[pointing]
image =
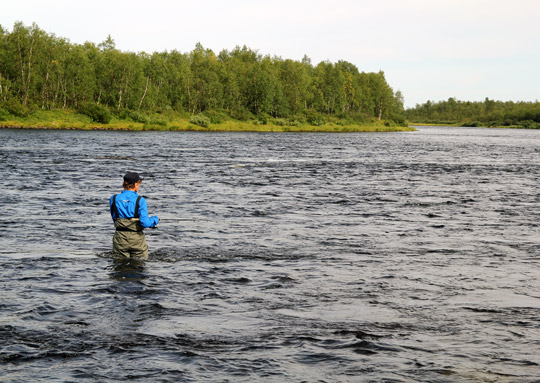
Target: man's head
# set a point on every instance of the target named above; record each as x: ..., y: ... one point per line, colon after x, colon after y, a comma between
x: 132, y: 181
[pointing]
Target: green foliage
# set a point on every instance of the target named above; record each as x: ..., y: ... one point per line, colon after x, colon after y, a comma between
x: 398, y: 119
x: 201, y: 120
x: 3, y: 114
x: 41, y: 69
x: 529, y: 124
x: 486, y: 113
x: 157, y: 120
x: 286, y: 122
x: 262, y: 119
x: 67, y: 118
x: 241, y: 114
x: 137, y: 116
x: 344, y: 122
x: 279, y: 122
x: 315, y: 118
x: 98, y: 113
x: 215, y: 117
x: 16, y: 108
x: 294, y: 122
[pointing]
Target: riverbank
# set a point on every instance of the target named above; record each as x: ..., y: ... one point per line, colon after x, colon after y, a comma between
x: 71, y: 120
x: 238, y: 127
x: 473, y: 125
x: 434, y: 124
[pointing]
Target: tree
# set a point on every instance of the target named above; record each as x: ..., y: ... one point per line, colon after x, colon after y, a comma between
x: 205, y: 88
x: 38, y: 69
x: 20, y: 47
x: 328, y: 85
x: 294, y: 79
x: 382, y: 95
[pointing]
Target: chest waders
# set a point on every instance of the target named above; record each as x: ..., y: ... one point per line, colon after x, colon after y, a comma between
x: 129, y: 239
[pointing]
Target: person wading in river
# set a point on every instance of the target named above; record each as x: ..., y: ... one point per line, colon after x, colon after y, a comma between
x: 129, y: 212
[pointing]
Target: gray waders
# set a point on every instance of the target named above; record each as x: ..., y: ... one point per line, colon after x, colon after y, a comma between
x: 129, y: 240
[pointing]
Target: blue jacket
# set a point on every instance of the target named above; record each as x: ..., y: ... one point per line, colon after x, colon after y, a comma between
x: 125, y: 203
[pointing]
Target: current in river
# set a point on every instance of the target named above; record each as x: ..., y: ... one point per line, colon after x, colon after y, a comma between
x: 280, y: 257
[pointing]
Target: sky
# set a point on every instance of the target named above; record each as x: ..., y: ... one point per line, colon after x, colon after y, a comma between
x: 428, y: 49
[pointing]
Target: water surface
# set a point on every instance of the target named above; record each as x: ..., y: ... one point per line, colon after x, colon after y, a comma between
x: 380, y: 257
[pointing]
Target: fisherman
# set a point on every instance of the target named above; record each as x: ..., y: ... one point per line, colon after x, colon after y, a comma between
x: 129, y: 212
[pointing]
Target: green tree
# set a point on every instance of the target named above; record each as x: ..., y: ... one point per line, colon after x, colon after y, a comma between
x: 38, y: 69
x: 230, y: 78
x: 328, y: 85
x: 4, y: 86
x: 205, y: 88
x: 295, y: 81
x: 382, y: 95
x: 180, y: 74
x: 20, y: 50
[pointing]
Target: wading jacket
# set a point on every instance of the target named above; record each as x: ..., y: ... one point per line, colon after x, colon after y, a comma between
x: 125, y: 206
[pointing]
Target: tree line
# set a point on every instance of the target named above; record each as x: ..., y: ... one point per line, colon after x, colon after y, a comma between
x: 40, y: 70
x: 481, y: 113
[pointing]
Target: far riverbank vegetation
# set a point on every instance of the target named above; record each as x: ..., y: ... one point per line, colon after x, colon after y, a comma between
x: 488, y: 113
x: 49, y: 82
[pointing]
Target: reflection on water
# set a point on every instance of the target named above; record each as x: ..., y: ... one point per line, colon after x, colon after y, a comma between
x: 128, y: 269
x: 406, y: 257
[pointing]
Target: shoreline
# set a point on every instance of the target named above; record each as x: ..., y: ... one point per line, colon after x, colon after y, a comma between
x: 464, y: 125
x: 237, y: 127
x: 68, y: 119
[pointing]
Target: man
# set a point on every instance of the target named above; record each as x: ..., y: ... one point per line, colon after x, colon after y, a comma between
x: 129, y: 212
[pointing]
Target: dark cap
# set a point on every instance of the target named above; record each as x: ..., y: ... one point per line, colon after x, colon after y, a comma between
x: 132, y: 177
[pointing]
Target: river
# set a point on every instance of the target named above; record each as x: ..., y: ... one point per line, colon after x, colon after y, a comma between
x: 357, y: 257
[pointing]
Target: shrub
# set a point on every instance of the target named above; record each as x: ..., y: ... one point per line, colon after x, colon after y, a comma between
x: 294, y: 122
x: 315, y: 118
x: 3, y: 114
x: 398, y: 119
x: 316, y: 122
x: 201, y: 120
x: 242, y: 114
x: 137, y: 116
x: 262, y: 119
x: 358, y: 117
x: 16, y: 108
x: 529, y: 124
x: 98, y: 113
x: 286, y: 122
x: 215, y: 117
x: 157, y: 121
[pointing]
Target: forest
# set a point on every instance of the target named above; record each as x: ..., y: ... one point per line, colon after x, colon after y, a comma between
x: 40, y: 71
x: 487, y: 113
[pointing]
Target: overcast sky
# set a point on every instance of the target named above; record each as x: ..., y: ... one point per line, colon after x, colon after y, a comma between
x: 428, y: 49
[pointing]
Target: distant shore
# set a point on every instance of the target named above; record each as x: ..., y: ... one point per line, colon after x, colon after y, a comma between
x: 472, y: 125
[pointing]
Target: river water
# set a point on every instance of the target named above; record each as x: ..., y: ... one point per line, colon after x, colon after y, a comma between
x: 362, y: 257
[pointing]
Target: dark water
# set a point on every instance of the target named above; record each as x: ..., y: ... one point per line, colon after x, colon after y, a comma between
x: 402, y: 257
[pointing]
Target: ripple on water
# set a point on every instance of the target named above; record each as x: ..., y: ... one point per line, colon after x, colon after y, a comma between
x: 279, y: 257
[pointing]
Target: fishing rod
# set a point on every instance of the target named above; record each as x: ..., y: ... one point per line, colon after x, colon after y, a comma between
x: 165, y: 220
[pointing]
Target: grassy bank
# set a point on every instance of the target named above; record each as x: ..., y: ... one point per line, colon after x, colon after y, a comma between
x: 434, y: 124
x: 69, y: 119
x: 474, y: 125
